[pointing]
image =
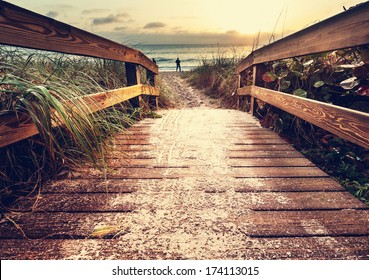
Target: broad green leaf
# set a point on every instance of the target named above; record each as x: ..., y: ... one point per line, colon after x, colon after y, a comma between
x: 349, y: 83
x: 284, y: 84
x: 269, y: 77
x: 300, y: 92
x: 318, y: 84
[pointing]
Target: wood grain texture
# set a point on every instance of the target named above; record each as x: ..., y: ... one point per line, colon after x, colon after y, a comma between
x: 305, y: 223
x: 341, y: 248
x: 345, y: 30
x: 14, y: 128
x: 346, y: 123
x: 23, y: 28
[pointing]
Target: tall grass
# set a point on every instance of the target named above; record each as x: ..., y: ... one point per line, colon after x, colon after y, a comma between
x: 48, y: 87
x: 217, y: 78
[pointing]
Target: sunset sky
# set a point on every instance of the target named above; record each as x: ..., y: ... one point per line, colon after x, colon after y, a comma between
x: 188, y: 21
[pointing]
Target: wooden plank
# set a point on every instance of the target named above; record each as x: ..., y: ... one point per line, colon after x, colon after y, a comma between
x: 263, y: 154
x: 78, y: 186
x: 95, y: 202
x: 23, y: 28
x: 275, y: 141
x: 346, y: 123
x: 14, y: 128
x: 265, y: 201
x: 58, y: 225
x: 264, y: 162
x: 305, y: 223
x: 268, y: 172
x: 342, y: 248
x: 261, y: 201
x: 277, y: 148
x: 345, y: 30
x: 183, y: 171
x: 286, y: 185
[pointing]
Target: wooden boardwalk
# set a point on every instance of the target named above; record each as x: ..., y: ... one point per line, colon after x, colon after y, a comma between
x: 195, y: 184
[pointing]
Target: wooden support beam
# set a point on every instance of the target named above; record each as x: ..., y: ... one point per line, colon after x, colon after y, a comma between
x: 346, y: 123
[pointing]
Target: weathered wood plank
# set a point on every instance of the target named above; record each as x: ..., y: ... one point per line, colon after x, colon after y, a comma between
x: 260, y: 147
x: 71, y: 186
x: 20, y: 27
x: 345, y: 30
x: 263, y: 154
x: 305, y: 223
x: 237, y: 184
x: 58, y: 225
x: 184, y: 171
x: 286, y: 184
x: 14, y: 128
x: 100, y: 202
x: 253, y: 162
x: 257, y: 249
x: 275, y: 141
x: 262, y: 201
x: 266, y: 172
x: 346, y: 123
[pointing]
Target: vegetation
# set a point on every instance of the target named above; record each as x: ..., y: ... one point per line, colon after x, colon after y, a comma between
x: 339, y: 77
x: 217, y: 78
x: 48, y: 87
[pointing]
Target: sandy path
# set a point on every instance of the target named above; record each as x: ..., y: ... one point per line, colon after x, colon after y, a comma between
x: 189, y: 97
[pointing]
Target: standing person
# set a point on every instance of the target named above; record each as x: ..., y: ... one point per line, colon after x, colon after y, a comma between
x: 178, y: 62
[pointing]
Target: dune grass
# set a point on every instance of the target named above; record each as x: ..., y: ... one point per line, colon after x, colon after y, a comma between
x: 48, y: 87
x: 217, y: 78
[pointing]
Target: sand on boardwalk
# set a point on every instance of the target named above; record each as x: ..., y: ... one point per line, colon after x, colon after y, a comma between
x: 188, y: 96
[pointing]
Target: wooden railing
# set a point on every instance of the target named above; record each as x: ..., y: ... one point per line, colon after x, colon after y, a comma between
x: 345, y: 30
x: 23, y: 28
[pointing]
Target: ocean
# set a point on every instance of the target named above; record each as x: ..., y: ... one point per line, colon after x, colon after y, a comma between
x: 191, y: 55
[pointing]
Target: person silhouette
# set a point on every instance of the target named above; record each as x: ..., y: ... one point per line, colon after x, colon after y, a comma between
x: 178, y: 62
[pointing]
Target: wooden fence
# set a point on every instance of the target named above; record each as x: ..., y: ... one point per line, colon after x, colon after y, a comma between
x: 345, y: 30
x: 23, y: 28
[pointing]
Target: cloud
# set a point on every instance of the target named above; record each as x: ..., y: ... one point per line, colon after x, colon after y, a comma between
x: 94, y: 11
x: 232, y: 32
x: 186, y: 37
x: 120, y: 28
x: 109, y: 19
x: 154, y: 25
x: 52, y: 14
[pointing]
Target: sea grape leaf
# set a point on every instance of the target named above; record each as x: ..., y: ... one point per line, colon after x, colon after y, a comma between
x: 318, y: 84
x: 284, y: 84
x: 269, y: 77
x: 363, y: 90
x: 300, y: 92
x: 349, y: 83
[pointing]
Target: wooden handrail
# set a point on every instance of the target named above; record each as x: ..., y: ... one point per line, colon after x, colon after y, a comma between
x: 15, y: 127
x: 346, y: 123
x: 23, y: 28
x: 345, y: 30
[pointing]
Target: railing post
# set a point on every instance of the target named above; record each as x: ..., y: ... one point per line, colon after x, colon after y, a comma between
x: 252, y: 99
x: 133, y: 78
x: 239, y: 86
x: 153, y: 100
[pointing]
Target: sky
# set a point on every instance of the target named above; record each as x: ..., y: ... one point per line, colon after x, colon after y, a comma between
x: 133, y: 22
